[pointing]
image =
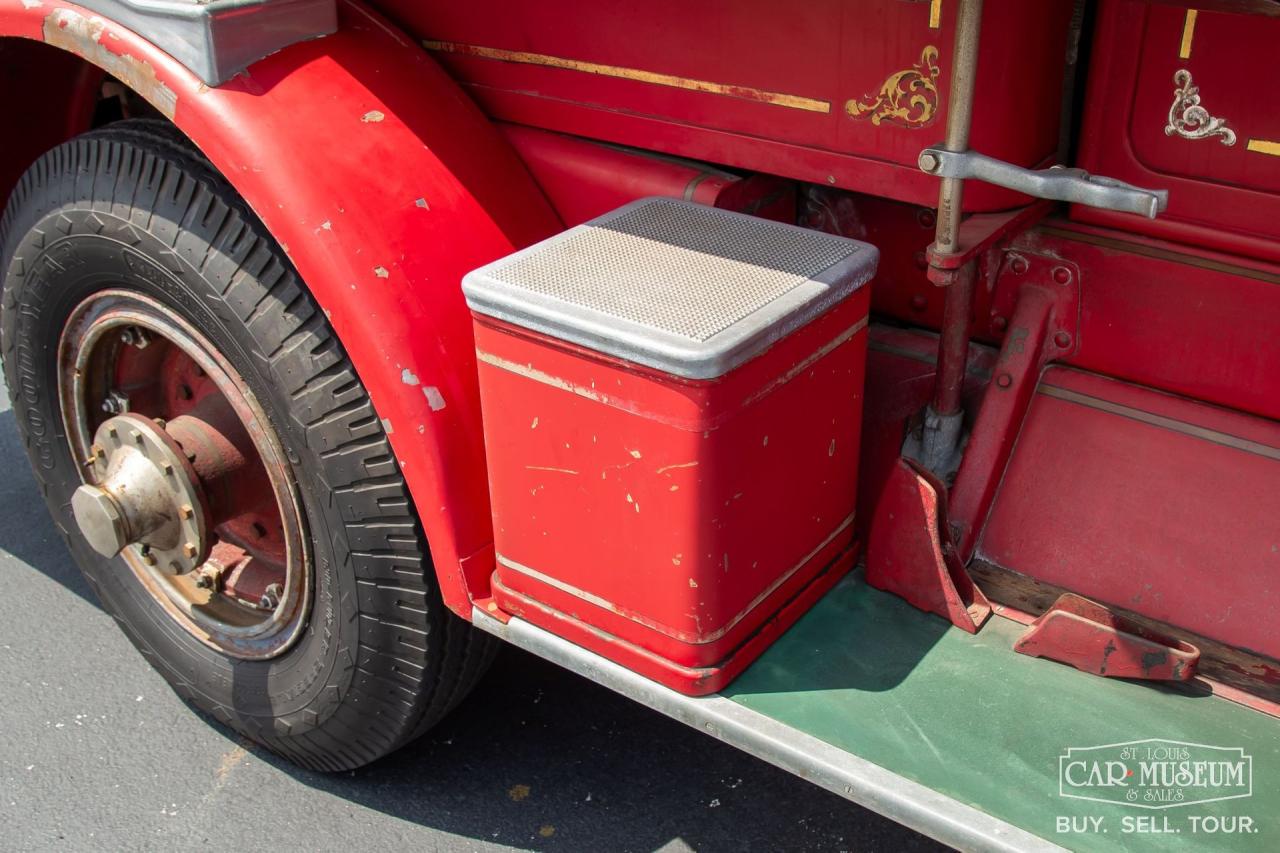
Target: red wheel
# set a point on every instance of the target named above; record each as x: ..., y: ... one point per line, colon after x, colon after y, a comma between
x: 185, y: 481
x: 212, y: 458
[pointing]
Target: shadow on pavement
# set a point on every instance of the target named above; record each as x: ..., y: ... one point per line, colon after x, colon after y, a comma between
x: 537, y: 757
x: 541, y: 758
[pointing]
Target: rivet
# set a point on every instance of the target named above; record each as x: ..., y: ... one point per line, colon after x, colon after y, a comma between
x: 1004, y: 380
x: 918, y: 302
x: 999, y: 323
x: 1062, y: 339
x: 1061, y: 275
x: 1018, y: 264
x: 922, y: 260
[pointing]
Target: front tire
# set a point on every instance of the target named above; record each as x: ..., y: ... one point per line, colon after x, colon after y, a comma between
x: 133, y: 213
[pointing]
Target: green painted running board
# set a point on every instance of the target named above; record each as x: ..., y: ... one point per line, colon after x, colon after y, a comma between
x: 966, y: 716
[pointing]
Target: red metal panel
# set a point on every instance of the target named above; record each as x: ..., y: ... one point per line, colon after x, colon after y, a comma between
x: 385, y: 185
x: 585, y: 179
x: 1223, y: 196
x: 820, y: 91
x: 1174, y: 318
x: 1149, y: 502
x: 623, y: 500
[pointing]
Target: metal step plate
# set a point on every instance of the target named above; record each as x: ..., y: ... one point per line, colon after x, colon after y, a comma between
x: 691, y: 290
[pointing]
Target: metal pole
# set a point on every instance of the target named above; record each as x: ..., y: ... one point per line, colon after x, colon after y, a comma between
x: 964, y: 67
x: 940, y: 437
x: 953, y: 345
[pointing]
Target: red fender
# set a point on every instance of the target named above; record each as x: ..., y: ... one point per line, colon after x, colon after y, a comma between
x: 384, y: 184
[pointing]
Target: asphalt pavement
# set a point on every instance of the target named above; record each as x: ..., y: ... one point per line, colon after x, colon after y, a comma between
x: 97, y: 753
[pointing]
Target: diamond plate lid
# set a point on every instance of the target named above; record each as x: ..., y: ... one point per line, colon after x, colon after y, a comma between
x: 690, y: 290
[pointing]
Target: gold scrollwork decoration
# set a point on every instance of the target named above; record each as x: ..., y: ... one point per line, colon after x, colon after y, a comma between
x: 908, y: 98
x: 1190, y: 120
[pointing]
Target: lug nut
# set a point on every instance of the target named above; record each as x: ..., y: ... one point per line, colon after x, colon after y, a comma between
x: 189, y: 550
x: 135, y: 337
x: 271, y: 597
x: 209, y: 577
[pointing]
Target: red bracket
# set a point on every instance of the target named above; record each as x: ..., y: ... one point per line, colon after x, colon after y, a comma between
x: 978, y: 233
x: 1088, y: 636
x: 910, y: 553
x: 1035, y: 307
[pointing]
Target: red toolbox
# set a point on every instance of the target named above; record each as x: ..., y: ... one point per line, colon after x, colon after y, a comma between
x: 672, y: 398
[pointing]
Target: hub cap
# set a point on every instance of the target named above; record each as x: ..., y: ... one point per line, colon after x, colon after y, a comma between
x: 184, y: 478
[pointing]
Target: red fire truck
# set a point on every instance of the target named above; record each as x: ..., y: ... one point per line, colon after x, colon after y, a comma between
x: 889, y: 388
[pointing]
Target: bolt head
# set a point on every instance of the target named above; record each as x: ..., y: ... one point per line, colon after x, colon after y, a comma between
x: 135, y: 337
x: 115, y: 403
x: 271, y: 597
x: 928, y: 161
x: 100, y: 520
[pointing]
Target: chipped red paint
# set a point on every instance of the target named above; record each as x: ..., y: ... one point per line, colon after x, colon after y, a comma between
x: 1088, y: 636
x: 340, y: 194
x: 910, y: 552
x: 621, y: 500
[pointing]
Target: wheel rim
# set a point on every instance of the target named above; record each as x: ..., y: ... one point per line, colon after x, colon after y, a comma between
x: 184, y: 477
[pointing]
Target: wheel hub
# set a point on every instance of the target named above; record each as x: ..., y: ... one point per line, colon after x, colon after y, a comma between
x: 143, y: 492
x: 186, y: 483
